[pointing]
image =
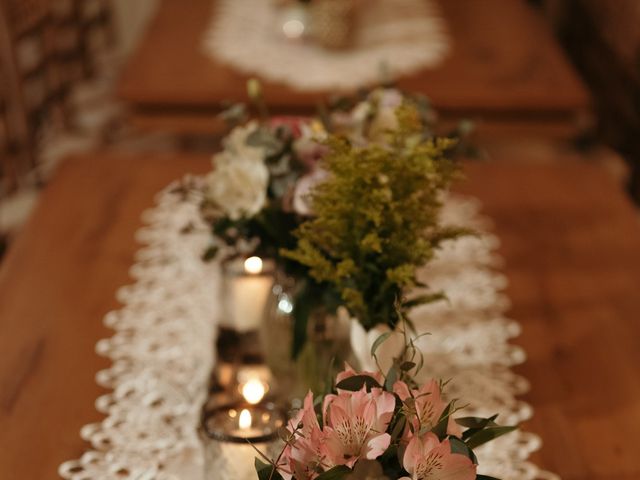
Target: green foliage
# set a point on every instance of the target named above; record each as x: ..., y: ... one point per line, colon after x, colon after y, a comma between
x: 355, y: 383
x: 336, y: 473
x: 377, y: 218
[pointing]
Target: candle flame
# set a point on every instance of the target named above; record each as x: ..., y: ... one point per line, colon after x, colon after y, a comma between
x: 253, y: 265
x: 293, y: 28
x: 245, y: 420
x: 253, y: 391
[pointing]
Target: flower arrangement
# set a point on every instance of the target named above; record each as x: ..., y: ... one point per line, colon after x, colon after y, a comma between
x: 346, y: 203
x: 372, y: 426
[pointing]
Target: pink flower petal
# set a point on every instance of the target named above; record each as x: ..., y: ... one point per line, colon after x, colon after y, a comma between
x: 377, y: 446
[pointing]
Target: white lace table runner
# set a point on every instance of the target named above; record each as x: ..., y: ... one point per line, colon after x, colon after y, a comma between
x: 399, y: 37
x: 164, y: 333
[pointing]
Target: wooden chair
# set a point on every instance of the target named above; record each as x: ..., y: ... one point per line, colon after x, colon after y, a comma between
x: 46, y: 48
x: 604, y: 42
x: 17, y: 21
x: 82, y: 31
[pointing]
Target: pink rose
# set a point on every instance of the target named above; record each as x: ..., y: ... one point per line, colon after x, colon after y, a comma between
x: 302, y: 191
x: 294, y: 123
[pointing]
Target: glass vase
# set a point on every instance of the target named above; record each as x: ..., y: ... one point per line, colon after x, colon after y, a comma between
x: 323, y: 354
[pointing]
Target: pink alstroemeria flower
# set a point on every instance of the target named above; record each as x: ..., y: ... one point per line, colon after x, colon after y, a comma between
x: 350, y: 372
x: 426, y: 458
x: 428, y: 406
x: 303, y: 458
x: 305, y: 185
x: 356, y: 425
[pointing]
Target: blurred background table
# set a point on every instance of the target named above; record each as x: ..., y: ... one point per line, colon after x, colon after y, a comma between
x: 505, y: 68
x: 569, y: 238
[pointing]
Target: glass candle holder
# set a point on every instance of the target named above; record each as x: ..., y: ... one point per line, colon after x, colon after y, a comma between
x: 232, y: 433
x: 246, y: 287
x: 245, y: 290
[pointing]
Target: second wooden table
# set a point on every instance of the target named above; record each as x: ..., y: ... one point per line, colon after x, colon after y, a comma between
x: 504, y: 67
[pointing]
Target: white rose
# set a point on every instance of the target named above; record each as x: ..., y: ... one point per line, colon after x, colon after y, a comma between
x: 238, y: 185
x: 236, y: 143
x: 388, y: 97
x: 239, y: 181
x: 361, y: 112
x: 385, y: 119
x: 376, y: 114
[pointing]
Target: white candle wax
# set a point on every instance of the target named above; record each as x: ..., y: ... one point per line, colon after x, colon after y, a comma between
x: 249, y: 299
x: 232, y: 460
x: 248, y: 291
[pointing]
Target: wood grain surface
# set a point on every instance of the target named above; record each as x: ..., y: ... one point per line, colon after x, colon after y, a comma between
x: 570, y: 239
x: 504, y: 63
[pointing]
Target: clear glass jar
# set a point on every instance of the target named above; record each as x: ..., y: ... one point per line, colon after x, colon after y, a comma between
x: 323, y: 355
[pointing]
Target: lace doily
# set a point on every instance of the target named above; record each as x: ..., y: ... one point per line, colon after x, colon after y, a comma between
x: 164, y: 333
x: 397, y: 38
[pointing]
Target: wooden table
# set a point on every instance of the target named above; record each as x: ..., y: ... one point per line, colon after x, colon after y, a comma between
x: 570, y: 238
x: 504, y: 67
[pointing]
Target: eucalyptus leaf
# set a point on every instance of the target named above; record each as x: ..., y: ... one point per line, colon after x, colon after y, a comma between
x: 398, y: 428
x: 486, y: 435
x: 235, y: 114
x: 379, y: 341
x: 264, y: 139
x: 391, y: 378
x: 280, y: 166
x: 355, y: 383
x: 210, y: 253
x: 458, y: 446
x: 441, y: 427
x: 423, y: 299
x: 406, y: 366
x: 475, y: 422
x: 281, y: 186
x: 420, y: 363
x: 471, y: 422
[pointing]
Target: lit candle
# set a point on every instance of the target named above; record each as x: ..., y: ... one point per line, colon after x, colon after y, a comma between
x: 253, y: 391
x: 294, y: 22
x: 249, y: 286
x: 245, y: 422
x: 229, y: 429
x: 253, y: 265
